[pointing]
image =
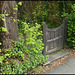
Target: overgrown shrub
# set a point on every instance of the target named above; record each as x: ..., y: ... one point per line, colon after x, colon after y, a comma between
x: 25, y: 54
x: 33, y: 12
x: 71, y: 28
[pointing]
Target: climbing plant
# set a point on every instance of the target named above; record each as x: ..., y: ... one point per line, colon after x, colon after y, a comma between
x: 71, y: 27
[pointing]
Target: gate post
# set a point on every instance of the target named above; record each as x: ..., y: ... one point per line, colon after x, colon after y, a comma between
x: 44, y: 38
x: 65, y: 32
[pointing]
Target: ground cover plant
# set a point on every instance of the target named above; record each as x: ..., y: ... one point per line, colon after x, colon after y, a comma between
x: 25, y: 54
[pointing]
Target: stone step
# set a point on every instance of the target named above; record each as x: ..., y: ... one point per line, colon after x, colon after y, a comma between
x: 56, y: 56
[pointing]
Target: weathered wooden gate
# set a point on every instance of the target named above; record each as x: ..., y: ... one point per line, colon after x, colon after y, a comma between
x: 54, y: 39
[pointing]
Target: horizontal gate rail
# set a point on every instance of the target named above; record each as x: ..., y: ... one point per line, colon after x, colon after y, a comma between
x: 54, y: 39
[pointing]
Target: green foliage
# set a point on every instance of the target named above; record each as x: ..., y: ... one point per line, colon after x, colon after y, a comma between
x: 33, y: 37
x: 4, y: 29
x: 6, y: 14
x: 1, y: 59
x: 0, y: 43
x: 20, y: 3
x: 0, y: 50
x: 2, y: 16
x: 64, y: 6
x: 60, y: 50
x: 15, y: 8
x: 41, y: 12
x: 6, y: 68
x: 29, y: 62
x: 37, y: 69
x: 71, y: 28
x: 28, y: 52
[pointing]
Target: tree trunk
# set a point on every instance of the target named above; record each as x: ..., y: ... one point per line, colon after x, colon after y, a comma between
x: 6, y: 7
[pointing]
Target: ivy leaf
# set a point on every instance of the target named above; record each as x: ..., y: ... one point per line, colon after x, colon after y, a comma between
x: 3, y: 19
x: 1, y: 59
x: 15, y: 8
x: 73, y: 41
x: 0, y: 50
x: 14, y: 20
x: 20, y: 3
x: 4, y: 29
x: 11, y: 17
x: 7, y: 54
x: 2, y: 15
x: 14, y: 12
x: 0, y: 43
x: 16, y: 5
x: 6, y: 14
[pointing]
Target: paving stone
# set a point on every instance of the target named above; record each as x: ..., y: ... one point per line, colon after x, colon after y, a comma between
x: 67, y: 68
x: 56, y: 56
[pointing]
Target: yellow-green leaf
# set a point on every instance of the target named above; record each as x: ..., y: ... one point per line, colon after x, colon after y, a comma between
x: 4, y: 29
x: 20, y: 3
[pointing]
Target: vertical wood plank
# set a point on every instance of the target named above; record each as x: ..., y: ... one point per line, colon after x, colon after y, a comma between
x: 56, y: 41
x: 48, y: 46
x: 60, y: 40
x: 48, y: 35
x: 52, y: 34
x: 52, y: 37
x: 50, y: 42
x: 62, y: 37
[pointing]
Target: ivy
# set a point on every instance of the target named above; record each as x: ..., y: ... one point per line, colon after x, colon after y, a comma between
x: 15, y: 8
x: 1, y: 59
x: 27, y: 51
x: 71, y: 27
x: 4, y: 29
x: 20, y: 3
x: 0, y: 43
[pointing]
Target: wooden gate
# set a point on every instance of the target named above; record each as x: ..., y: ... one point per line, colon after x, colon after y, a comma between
x: 54, y: 39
